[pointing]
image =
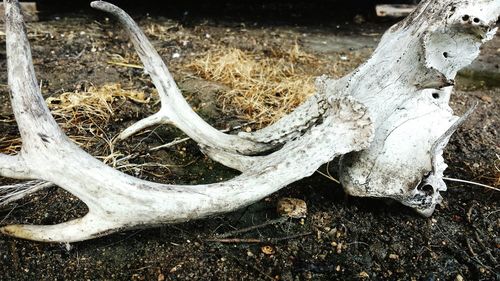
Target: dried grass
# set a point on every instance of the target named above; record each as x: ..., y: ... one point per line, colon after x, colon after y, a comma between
x: 10, y: 145
x: 83, y: 114
x: 90, y: 110
x: 85, y: 117
x: 129, y: 60
x: 166, y: 32
x: 263, y: 88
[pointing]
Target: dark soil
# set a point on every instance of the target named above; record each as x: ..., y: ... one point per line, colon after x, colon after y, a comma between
x: 342, y: 237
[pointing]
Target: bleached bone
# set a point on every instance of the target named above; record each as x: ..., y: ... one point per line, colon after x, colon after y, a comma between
x: 405, y: 85
x: 409, y: 105
x: 117, y: 201
x: 174, y: 108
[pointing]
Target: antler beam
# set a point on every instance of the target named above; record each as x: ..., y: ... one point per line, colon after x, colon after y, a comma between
x: 117, y: 201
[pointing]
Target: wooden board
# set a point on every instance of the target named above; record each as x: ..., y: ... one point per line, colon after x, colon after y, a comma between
x: 394, y: 10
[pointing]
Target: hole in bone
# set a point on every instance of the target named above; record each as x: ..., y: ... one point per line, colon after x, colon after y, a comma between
x: 476, y: 20
x: 427, y: 189
x: 435, y: 95
x: 465, y: 18
x: 445, y: 54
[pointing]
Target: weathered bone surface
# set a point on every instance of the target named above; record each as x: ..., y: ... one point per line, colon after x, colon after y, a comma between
x: 405, y: 87
x: 118, y: 201
x: 409, y: 104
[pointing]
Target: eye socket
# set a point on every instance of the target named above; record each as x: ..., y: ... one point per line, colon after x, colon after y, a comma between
x: 465, y: 18
x: 427, y: 189
x: 476, y: 20
x: 435, y: 95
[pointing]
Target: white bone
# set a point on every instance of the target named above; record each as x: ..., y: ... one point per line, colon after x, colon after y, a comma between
x: 117, y: 201
x: 402, y: 121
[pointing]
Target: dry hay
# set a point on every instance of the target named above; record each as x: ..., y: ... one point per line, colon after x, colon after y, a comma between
x: 90, y: 110
x: 10, y: 145
x: 83, y: 114
x: 86, y: 116
x: 167, y: 32
x: 263, y: 87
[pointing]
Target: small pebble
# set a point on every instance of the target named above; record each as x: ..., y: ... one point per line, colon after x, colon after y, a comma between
x: 393, y: 256
x: 268, y: 250
x: 363, y: 275
x: 292, y: 207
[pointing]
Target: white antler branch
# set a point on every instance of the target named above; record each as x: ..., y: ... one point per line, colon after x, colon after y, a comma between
x: 405, y: 86
x: 117, y: 201
x: 174, y: 108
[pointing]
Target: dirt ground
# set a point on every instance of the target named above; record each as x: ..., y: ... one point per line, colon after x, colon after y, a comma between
x: 341, y: 238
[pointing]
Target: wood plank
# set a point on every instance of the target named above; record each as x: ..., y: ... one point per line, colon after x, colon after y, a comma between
x: 394, y: 10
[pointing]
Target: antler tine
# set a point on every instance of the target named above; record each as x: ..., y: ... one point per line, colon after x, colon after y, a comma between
x: 32, y: 115
x: 174, y: 108
x: 86, y: 227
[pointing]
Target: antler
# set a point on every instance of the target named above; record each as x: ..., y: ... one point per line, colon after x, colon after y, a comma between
x: 117, y: 201
x: 174, y: 108
x: 176, y: 111
x: 405, y: 86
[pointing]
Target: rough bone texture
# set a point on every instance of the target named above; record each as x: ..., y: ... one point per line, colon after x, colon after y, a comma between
x: 389, y: 119
x: 406, y: 85
x: 409, y: 103
x: 117, y: 201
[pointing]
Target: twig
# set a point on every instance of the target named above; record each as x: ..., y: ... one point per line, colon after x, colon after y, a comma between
x: 463, y: 253
x: 253, y: 227
x: 485, y: 249
x: 77, y: 56
x: 236, y: 240
x: 328, y: 175
x: 8, y: 214
x: 257, y: 240
x: 471, y: 182
x: 126, y: 64
x: 170, y: 144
